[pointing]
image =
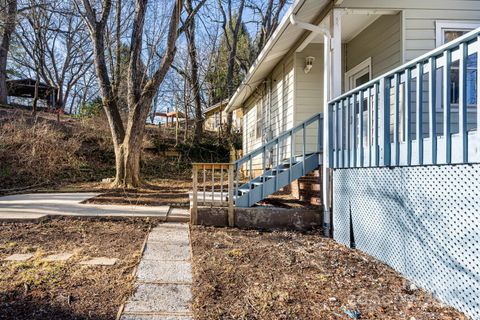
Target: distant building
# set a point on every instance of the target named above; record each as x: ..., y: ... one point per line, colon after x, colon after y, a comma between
x: 216, y: 118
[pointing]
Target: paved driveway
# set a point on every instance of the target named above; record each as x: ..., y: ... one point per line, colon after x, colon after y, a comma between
x: 40, y: 205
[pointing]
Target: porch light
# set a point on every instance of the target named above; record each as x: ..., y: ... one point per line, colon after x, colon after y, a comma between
x: 308, y: 64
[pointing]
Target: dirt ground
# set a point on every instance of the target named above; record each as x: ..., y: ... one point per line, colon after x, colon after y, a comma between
x: 66, y: 290
x: 288, y: 275
x: 158, y: 193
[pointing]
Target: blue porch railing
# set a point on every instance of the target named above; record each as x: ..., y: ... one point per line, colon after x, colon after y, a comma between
x: 281, y: 169
x: 423, y: 112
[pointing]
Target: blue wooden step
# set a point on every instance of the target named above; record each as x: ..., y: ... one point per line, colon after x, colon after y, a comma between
x: 273, y: 180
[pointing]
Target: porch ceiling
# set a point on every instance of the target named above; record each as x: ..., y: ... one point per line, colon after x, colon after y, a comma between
x: 352, y: 25
x: 284, y: 38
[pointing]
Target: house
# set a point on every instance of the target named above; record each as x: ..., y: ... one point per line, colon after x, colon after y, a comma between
x: 383, y: 97
x: 366, y: 38
x: 215, y: 117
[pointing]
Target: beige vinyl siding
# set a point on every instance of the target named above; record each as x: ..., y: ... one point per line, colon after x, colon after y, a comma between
x: 277, y: 113
x: 419, y: 16
x: 420, y: 25
x: 308, y: 95
x: 380, y: 41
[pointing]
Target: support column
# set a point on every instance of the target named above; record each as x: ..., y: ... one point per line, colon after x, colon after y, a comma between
x: 332, y: 87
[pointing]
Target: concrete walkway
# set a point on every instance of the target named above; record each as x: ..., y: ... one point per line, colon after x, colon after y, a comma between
x: 164, y: 277
x: 37, y: 206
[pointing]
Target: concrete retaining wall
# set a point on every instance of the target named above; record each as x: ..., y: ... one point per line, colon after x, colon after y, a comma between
x: 261, y: 218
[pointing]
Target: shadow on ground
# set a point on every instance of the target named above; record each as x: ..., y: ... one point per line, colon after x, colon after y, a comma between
x: 16, y: 305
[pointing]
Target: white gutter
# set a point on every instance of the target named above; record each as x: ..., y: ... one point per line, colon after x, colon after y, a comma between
x: 315, y: 31
x: 263, y: 54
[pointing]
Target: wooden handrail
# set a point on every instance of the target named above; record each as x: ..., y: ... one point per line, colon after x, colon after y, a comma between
x: 207, y: 187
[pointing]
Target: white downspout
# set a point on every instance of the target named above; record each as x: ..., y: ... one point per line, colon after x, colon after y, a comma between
x: 327, y: 92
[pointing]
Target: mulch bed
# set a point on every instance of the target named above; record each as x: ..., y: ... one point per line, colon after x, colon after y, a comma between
x: 35, y: 289
x: 242, y: 274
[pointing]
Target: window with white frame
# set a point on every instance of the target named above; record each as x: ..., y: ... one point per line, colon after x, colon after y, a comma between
x: 259, y: 119
x: 217, y: 118
x: 358, y: 75
x: 447, y: 31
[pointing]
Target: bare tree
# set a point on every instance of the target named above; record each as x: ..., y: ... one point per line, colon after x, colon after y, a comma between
x: 127, y: 136
x: 233, y: 26
x: 56, y: 49
x: 9, y: 22
x: 269, y: 12
x: 193, y: 79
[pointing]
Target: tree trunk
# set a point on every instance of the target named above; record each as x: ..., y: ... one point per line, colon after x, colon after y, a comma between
x: 35, y: 96
x: 194, y: 82
x: 9, y: 27
x: 127, y: 139
x: 231, y: 62
x: 127, y: 165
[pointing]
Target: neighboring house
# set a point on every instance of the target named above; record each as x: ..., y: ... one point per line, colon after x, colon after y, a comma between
x: 286, y: 84
x: 216, y: 118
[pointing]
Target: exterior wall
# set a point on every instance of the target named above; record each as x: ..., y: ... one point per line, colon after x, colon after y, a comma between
x: 308, y: 94
x: 422, y: 221
x: 419, y: 25
x: 210, y: 120
x: 380, y: 41
x: 276, y: 99
x: 418, y: 19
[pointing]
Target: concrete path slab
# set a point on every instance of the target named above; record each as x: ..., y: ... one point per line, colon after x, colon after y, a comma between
x: 180, y: 238
x: 19, y: 257
x: 155, y: 271
x: 164, y: 277
x: 100, y: 261
x: 164, y: 298
x: 178, y: 215
x: 167, y: 251
x: 41, y: 205
x: 59, y: 257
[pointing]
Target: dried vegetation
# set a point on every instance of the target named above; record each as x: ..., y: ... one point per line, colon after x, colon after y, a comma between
x: 242, y: 274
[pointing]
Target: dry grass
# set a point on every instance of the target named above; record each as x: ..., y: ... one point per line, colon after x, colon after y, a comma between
x: 241, y: 274
x: 39, y: 152
x: 36, y: 289
x: 43, y: 154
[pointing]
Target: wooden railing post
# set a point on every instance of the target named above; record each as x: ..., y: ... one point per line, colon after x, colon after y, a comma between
x: 231, y: 217
x: 194, y: 209
x: 384, y: 130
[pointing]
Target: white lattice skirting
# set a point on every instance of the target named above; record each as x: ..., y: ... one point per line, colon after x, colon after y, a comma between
x: 423, y: 221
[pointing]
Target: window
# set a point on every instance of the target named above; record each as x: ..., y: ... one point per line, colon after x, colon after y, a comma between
x: 216, y: 124
x: 358, y: 75
x: 447, y: 31
x: 259, y: 118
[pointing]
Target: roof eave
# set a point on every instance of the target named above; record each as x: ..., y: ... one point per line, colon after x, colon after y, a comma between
x: 232, y: 103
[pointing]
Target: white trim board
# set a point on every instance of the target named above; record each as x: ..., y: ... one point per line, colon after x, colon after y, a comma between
x: 441, y: 25
x: 367, y: 63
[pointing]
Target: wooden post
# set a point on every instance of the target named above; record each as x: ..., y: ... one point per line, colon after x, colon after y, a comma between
x: 194, y: 209
x: 432, y: 108
x: 231, y: 217
x: 462, y: 102
x: 419, y: 112
x: 447, y: 56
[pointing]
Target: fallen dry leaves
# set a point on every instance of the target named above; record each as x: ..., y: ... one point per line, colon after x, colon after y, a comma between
x: 241, y: 274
